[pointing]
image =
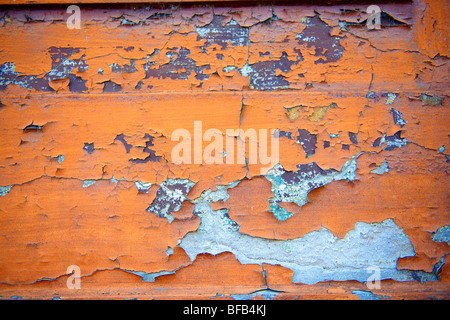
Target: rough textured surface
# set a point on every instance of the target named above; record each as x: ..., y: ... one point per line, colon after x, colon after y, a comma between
x: 318, y: 256
x: 360, y: 116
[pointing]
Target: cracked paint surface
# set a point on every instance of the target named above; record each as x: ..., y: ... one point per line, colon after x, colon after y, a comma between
x: 361, y: 118
x: 295, y: 186
x: 318, y: 256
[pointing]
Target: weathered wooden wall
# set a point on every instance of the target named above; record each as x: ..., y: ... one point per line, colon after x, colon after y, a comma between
x: 86, y: 170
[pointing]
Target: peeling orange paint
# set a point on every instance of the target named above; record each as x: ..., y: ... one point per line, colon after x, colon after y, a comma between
x: 87, y: 175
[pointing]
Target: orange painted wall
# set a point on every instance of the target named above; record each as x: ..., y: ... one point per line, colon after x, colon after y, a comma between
x: 86, y: 164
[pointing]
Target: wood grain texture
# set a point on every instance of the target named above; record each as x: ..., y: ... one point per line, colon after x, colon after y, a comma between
x: 88, y: 178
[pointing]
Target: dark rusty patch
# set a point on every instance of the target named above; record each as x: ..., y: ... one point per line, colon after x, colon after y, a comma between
x: 179, y: 66
x: 170, y: 197
x: 394, y: 141
x: 216, y: 33
x: 126, y: 68
x: 317, y: 34
x: 139, y: 85
x: 326, y: 144
x: 353, y: 137
x: 280, y: 133
x: 33, y: 82
x: 152, y: 157
x: 396, y: 135
x: 88, y: 147
x: 308, y: 141
x: 162, y: 201
x: 62, y: 68
x: 398, y: 118
x: 345, y: 147
x: 109, y: 86
x: 263, y: 75
x: 290, y: 186
x: 9, y: 76
x: 121, y: 138
x: 304, y: 172
x: 77, y: 84
x: 377, y: 142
